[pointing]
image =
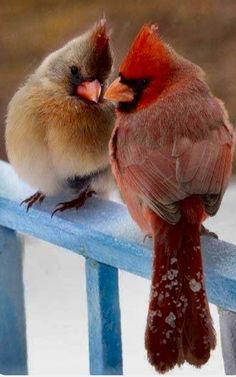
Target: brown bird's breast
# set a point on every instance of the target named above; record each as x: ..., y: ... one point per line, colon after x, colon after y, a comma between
x: 78, y: 134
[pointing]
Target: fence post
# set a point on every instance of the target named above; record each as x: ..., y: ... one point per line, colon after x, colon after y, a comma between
x: 13, y: 353
x: 105, y: 348
x: 228, y: 340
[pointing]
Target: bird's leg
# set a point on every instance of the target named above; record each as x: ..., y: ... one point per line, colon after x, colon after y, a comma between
x: 206, y: 232
x: 37, y: 197
x: 75, y: 203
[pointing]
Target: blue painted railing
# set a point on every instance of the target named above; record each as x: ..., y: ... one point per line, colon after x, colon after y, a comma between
x: 104, y: 234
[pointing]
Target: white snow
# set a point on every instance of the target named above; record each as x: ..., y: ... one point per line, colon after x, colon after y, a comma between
x: 171, y: 274
x: 173, y: 260
x: 57, y: 314
x: 195, y: 285
x: 160, y: 297
x: 170, y: 320
x: 168, y: 334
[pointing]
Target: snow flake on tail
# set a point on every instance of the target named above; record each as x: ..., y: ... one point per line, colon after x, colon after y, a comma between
x: 170, y: 320
x: 195, y: 285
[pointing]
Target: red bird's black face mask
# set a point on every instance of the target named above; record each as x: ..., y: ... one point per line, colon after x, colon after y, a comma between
x: 142, y: 74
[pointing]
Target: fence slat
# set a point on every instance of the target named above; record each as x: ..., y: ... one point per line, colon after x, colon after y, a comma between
x: 105, y: 348
x: 104, y: 234
x: 13, y: 353
x: 228, y: 340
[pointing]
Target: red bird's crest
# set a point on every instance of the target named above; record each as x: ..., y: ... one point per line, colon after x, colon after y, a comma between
x: 147, y: 55
x: 149, y: 58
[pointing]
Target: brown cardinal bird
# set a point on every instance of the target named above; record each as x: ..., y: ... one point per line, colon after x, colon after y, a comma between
x: 171, y: 154
x: 59, y: 125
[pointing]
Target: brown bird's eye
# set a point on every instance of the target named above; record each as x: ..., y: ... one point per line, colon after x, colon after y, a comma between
x: 74, y: 69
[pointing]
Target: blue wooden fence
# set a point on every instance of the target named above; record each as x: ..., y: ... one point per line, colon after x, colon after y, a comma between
x: 103, y: 233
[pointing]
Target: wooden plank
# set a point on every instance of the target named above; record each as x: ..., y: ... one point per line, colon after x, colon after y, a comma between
x: 228, y: 340
x: 105, y: 349
x: 13, y: 353
x: 104, y: 231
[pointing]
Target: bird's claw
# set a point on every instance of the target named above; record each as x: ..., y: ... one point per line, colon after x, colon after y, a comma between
x: 75, y: 203
x: 146, y: 236
x: 37, y: 197
x: 206, y: 232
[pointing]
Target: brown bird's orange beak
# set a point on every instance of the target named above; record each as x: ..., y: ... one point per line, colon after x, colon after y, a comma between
x: 119, y: 92
x: 89, y: 90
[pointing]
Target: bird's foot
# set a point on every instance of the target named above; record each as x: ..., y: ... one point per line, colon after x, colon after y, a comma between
x: 206, y: 232
x: 37, y: 197
x: 75, y: 203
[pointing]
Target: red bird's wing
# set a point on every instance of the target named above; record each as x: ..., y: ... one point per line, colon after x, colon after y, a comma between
x: 204, y: 167
x: 165, y: 162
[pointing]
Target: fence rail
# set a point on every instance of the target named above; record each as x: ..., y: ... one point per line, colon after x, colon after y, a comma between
x: 104, y: 234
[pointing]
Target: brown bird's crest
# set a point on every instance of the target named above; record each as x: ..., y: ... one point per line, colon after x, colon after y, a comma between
x: 99, y: 33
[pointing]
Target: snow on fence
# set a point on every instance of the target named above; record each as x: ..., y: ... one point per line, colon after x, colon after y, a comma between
x: 104, y: 234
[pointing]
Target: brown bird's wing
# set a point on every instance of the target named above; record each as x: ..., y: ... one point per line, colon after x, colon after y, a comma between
x: 163, y: 165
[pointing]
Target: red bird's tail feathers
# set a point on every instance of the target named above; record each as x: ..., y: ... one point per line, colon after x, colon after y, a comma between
x: 179, y: 324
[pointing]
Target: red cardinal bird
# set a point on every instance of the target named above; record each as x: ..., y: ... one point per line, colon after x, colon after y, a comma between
x: 171, y: 154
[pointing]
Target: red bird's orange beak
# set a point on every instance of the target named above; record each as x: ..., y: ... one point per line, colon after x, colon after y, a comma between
x: 89, y: 90
x: 119, y: 92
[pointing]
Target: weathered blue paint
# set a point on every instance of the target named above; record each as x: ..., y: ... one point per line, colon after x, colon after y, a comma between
x: 13, y: 358
x: 102, y: 232
x: 105, y: 350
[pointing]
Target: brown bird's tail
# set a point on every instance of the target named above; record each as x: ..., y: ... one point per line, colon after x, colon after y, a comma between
x: 179, y: 324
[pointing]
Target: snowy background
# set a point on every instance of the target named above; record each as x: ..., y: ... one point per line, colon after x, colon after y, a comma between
x: 57, y: 317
